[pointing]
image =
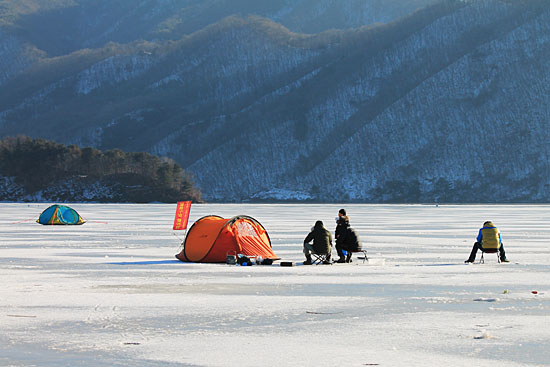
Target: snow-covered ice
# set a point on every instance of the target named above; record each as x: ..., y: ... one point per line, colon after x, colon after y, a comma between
x: 111, y: 293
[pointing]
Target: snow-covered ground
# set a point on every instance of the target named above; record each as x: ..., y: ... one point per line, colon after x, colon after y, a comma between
x: 111, y: 293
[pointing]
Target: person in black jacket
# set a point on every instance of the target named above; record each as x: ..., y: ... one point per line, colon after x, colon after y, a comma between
x: 339, y: 233
x: 347, y: 240
x: 322, y: 242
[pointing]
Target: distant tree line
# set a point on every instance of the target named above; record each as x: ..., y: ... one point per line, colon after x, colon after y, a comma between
x: 37, y: 164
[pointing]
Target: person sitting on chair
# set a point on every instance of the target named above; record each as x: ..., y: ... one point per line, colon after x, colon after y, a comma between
x: 346, y: 240
x: 340, y: 229
x: 488, y: 239
x: 339, y: 234
x: 322, y: 243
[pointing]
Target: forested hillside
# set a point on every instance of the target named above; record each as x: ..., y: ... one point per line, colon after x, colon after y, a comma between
x: 63, y: 26
x: 447, y: 103
x: 37, y: 169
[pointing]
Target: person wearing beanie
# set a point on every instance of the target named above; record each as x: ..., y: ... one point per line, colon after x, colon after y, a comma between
x: 322, y: 243
x: 341, y: 214
x: 340, y: 229
x: 347, y: 240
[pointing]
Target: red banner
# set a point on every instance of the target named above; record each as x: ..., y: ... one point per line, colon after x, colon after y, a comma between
x: 182, y: 215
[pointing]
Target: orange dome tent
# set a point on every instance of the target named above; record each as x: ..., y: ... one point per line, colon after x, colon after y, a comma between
x: 211, y: 238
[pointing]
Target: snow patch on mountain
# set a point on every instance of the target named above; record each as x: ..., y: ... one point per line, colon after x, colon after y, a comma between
x: 14, y: 57
x: 281, y: 195
x: 112, y: 70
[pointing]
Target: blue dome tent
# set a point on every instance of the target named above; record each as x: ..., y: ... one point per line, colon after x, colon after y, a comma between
x: 60, y: 214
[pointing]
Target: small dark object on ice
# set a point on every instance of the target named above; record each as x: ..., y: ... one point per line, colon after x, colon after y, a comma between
x: 287, y: 263
x: 32, y: 316
x: 131, y: 343
x: 266, y: 262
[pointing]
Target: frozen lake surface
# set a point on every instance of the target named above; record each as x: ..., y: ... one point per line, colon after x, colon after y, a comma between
x: 111, y: 293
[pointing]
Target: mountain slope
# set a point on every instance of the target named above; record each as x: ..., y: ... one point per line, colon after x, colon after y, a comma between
x: 447, y: 104
x: 32, y: 30
x: 59, y: 27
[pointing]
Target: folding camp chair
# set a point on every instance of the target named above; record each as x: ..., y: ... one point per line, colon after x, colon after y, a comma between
x: 364, y: 252
x: 489, y: 251
x: 317, y: 259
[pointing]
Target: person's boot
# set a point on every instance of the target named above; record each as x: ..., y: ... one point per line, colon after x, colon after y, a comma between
x: 348, y: 257
x: 327, y: 261
x: 341, y: 260
x: 308, y: 260
x: 502, y: 255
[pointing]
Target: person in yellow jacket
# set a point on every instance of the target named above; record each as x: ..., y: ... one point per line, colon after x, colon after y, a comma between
x: 488, y: 238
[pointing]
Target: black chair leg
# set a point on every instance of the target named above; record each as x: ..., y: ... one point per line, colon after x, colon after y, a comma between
x: 318, y: 258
